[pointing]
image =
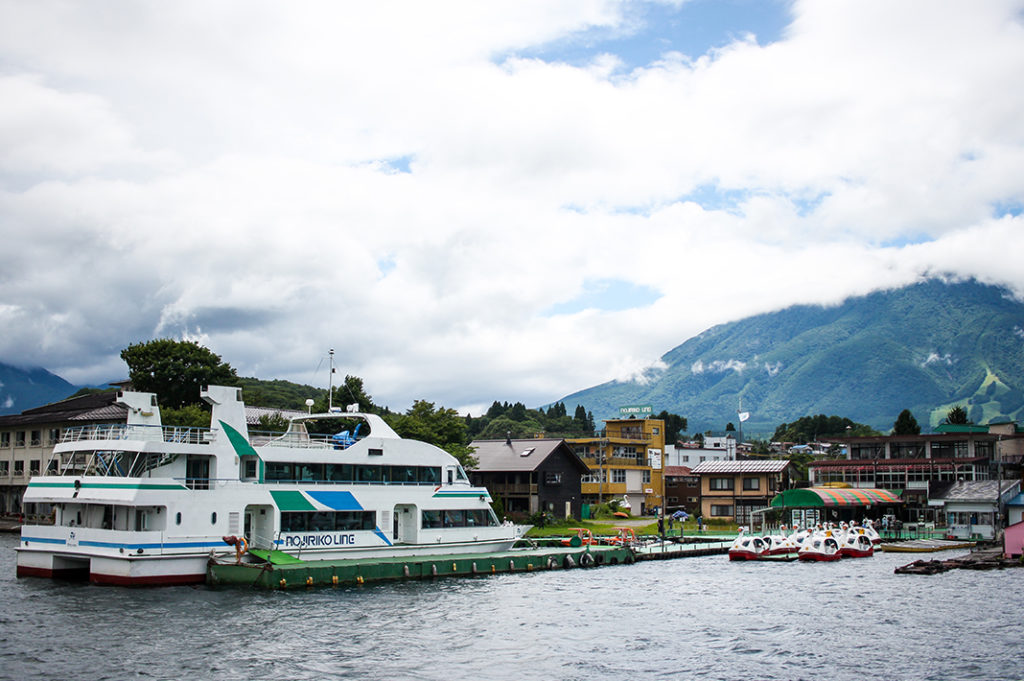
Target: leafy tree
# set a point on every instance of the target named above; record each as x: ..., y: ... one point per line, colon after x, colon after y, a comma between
x: 441, y: 427
x: 906, y: 424
x: 811, y: 428
x: 187, y: 416
x: 957, y: 416
x: 674, y: 425
x: 351, y: 391
x: 730, y: 428
x: 274, y: 423
x: 175, y: 370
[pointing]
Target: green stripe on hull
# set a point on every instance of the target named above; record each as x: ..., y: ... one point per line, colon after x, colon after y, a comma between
x: 238, y: 441
x: 288, y: 500
x: 109, y: 485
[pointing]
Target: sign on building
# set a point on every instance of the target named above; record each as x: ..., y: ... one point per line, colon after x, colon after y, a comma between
x: 636, y: 410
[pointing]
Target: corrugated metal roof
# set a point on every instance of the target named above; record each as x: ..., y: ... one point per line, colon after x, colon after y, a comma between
x: 977, y: 490
x: 748, y: 466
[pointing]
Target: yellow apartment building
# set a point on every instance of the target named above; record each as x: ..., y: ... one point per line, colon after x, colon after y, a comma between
x: 626, y: 462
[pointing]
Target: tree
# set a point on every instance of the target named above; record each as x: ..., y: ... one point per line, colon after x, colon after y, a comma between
x: 351, y: 391
x: 811, y: 428
x: 442, y: 427
x: 674, y: 425
x: 730, y: 428
x: 957, y: 416
x: 906, y: 424
x: 175, y: 370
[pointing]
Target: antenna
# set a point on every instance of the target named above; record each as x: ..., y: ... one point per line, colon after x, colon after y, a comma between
x: 330, y: 384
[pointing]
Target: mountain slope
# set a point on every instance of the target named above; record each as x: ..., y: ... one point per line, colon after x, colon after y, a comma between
x: 924, y: 347
x: 22, y: 389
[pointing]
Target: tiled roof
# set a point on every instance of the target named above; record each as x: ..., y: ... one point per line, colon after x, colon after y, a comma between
x: 977, y: 490
x: 748, y: 466
x: 98, y: 407
x: 519, y: 455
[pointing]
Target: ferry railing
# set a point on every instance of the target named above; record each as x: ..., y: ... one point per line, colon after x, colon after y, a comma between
x: 122, y: 431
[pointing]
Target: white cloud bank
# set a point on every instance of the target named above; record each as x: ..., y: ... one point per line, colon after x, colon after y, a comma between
x: 235, y: 172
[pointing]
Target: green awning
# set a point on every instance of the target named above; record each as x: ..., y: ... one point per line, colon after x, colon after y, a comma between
x: 816, y: 497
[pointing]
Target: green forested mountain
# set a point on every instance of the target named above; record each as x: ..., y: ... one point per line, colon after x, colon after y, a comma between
x: 925, y: 347
x: 22, y: 389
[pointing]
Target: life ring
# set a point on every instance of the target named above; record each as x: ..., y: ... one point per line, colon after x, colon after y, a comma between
x: 241, y: 546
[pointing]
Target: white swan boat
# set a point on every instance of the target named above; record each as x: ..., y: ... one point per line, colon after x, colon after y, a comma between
x: 142, y: 503
x: 820, y: 547
x: 856, y: 544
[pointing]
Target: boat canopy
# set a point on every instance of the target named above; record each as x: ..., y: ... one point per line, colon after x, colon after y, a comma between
x: 816, y: 497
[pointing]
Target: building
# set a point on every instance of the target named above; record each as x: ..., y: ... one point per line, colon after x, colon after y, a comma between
x: 731, y: 491
x: 530, y: 475
x: 974, y: 509
x: 915, y: 464
x: 27, y: 441
x: 682, y: 489
x: 625, y: 463
x: 690, y: 456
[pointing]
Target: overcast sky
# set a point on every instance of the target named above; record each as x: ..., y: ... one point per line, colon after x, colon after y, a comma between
x: 473, y: 201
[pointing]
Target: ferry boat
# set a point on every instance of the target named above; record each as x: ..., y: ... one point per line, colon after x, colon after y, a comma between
x: 141, y: 503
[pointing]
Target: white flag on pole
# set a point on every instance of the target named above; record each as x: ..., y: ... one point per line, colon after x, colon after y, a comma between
x: 744, y: 415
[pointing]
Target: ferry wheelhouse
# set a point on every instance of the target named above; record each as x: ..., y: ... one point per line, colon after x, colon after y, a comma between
x: 142, y: 503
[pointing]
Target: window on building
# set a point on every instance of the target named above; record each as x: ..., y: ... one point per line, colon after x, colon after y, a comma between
x: 34, y: 467
x: 751, y: 484
x: 19, y: 468
x: 619, y: 475
x: 721, y: 510
x: 5, y: 439
x: 5, y: 468
x: 721, y: 484
x: 19, y: 439
x: 54, y: 436
x: 647, y: 477
x: 37, y: 438
x: 552, y: 478
x: 51, y: 467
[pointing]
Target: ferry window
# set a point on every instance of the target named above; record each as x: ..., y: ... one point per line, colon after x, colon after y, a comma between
x: 310, y: 471
x: 322, y: 521
x: 368, y: 473
x: 279, y: 471
x: 455, y: 518
x: 431, y: 519
x: 480, y: 517
x: 430, y: 475
x: 250, y: 468
x: 339, y: 472
x: 460, y: 473
x: 404, y: 475
x: 213, y: 518
x: 177, y: 518
x: 375, y: 452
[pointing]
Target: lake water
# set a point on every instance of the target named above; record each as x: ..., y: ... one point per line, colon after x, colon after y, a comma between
x: 689, y: 618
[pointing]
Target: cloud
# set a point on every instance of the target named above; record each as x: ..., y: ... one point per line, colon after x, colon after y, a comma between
x: 422, y: 194
x: 718, y: 366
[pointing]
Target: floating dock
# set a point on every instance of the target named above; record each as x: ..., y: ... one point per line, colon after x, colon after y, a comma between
x: 277, y: 570
x: 926, y: 545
